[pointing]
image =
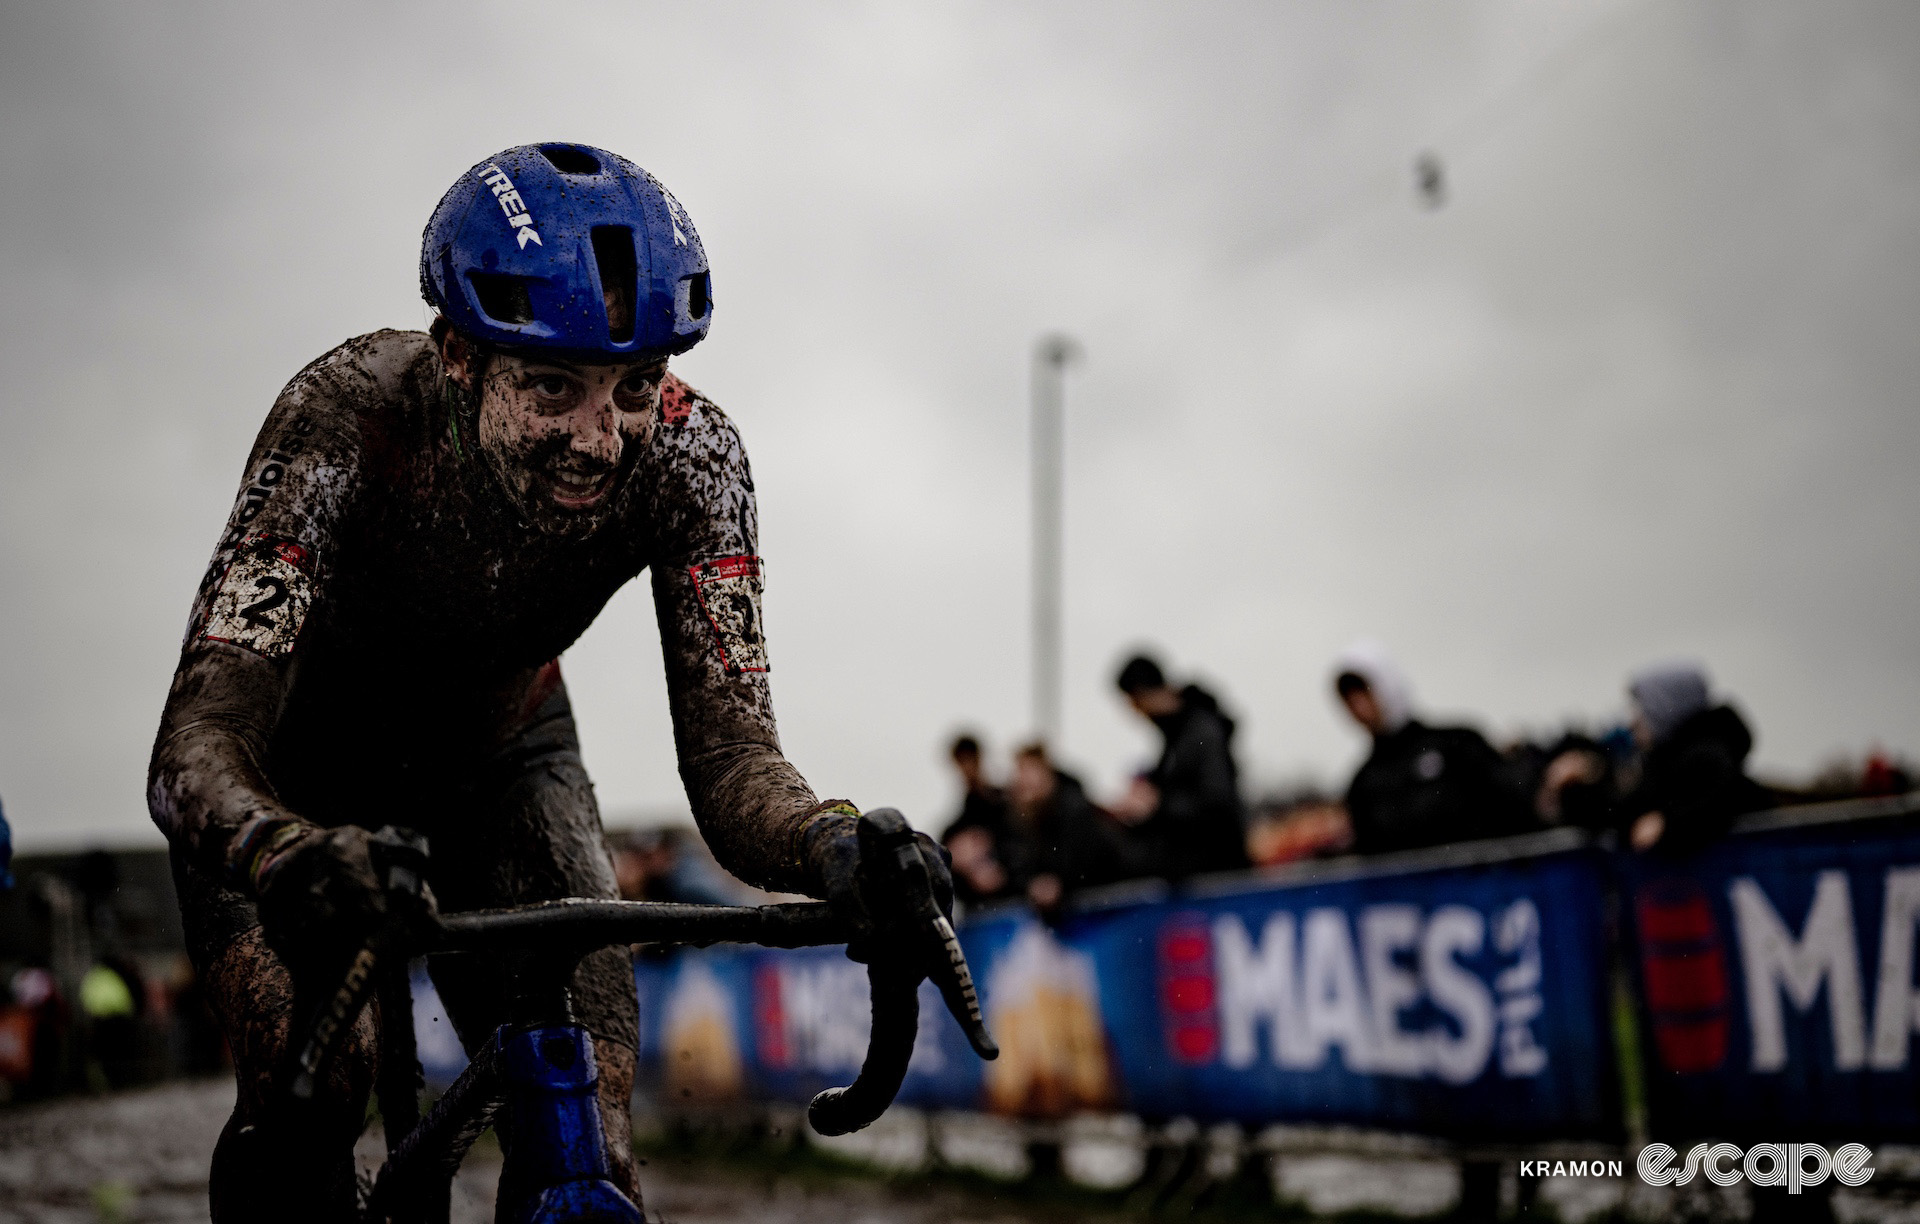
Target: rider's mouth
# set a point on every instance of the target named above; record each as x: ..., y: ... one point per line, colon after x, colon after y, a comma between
x: 578, y: 490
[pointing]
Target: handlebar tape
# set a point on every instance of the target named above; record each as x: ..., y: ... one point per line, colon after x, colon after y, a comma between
x: 896, y: 1021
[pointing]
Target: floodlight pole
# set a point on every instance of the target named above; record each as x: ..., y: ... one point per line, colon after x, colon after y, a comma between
x: 1050, y: 358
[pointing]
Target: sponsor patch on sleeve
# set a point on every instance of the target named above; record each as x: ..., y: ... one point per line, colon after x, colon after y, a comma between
x: 729, y: 590
x: 263, y: 597
x: 676, y: 401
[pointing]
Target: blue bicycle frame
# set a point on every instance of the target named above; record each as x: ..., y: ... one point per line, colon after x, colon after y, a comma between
x: 559, y: 1140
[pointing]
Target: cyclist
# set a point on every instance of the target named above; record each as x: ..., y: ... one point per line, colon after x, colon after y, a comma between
x: 426, y: 521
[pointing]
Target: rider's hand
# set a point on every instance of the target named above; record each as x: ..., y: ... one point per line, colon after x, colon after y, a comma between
x: 880, y: 886
x: 892, y: 887
x: 319, y: 895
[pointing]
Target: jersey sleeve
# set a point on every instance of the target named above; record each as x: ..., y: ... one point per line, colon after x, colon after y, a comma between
x: 266, y: 583
x: 708, y: 577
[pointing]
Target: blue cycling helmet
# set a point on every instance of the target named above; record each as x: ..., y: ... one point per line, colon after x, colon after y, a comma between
x: 571, y: 248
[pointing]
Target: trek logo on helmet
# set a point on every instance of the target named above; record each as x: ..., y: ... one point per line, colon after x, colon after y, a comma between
x: 677, y: 216
x: 510, y: 203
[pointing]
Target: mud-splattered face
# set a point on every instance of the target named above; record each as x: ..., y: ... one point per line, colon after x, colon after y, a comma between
x: 562, y: 436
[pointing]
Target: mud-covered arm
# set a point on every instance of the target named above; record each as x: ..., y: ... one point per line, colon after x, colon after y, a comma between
x: 268, y: 577
x: 750, y: 803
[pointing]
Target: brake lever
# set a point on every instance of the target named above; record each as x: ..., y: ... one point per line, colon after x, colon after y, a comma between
x: 889, y: 839
x: 399, y: 861
x: 955, y: 982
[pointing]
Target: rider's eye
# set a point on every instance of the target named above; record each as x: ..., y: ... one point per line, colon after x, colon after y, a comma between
x: 550, y: 384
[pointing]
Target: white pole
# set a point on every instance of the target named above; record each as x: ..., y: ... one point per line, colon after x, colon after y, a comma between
x: 1050, y: 358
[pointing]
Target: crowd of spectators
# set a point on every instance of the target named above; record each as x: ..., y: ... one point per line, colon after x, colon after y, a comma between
x: 1043, y: 837
x: 1669, y: 780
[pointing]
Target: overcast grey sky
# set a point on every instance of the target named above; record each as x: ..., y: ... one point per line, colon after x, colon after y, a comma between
x: 1642, y: 388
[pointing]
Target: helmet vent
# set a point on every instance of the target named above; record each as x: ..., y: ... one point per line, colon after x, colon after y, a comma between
x: 504, y: 299
x: 613, y: 251
x: 698, y: 292
x: 569, y: 160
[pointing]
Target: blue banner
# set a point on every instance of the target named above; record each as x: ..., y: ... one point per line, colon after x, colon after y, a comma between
x: 1460, y: 993
x: 1465, y: 1000
x: 1776, y: 978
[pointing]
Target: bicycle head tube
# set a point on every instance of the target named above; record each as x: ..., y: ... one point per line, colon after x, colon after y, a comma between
x: 559, y: 1149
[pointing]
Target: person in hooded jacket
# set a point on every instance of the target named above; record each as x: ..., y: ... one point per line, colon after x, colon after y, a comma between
x: 1188, y: 805
x: 1421, y: 785
x: 1693, y: 778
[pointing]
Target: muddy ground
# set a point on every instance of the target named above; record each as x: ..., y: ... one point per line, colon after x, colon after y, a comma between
x: 142, y: 1156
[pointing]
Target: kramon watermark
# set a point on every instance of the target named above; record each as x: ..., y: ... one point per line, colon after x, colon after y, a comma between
x: 1570, y: 1168
x: 1792, y: 1165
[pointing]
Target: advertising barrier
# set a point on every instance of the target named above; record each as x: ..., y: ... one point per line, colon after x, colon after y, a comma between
x: 1460, y: 992
x: 1434, y: 994
x: 1463, y: 992
x: 1776, y: 977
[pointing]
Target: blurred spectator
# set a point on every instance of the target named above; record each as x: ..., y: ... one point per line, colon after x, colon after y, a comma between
x: 1693, y: 778
x: 1876, y: 775
x: 1570, y: 781
x: 1302, y: 825
x: 110, y: 997
x: 1421, y: 785
x: 658, y: 865
x: 981, y: 838
x: 37, y: 997
x: 1187, y: 807
x: 1065, y: 842
x: 1883, y: 775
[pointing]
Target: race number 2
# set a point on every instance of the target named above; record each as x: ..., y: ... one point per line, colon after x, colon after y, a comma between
x: 263, y: 597
x: 729, y: 590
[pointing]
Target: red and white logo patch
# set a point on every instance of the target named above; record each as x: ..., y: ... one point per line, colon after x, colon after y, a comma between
x: 729, y: 591
x: 263, y: 597
x: 676, y: 401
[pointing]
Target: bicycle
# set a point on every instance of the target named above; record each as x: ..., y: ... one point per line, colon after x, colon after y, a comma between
x: 539, y: 1066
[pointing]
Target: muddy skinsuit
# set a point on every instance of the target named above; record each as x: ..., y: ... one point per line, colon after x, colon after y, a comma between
x: 375, y: 643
